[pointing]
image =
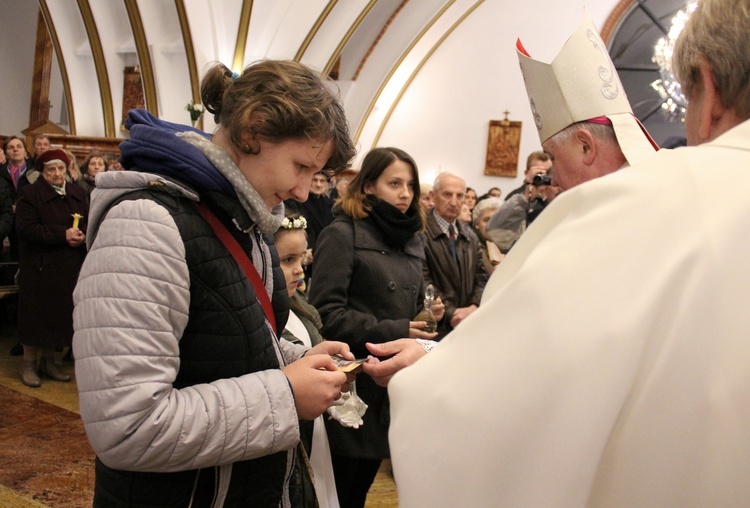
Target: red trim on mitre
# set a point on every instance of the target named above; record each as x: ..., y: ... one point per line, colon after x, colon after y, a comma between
x: 603, y: 120
x: 521, y: 49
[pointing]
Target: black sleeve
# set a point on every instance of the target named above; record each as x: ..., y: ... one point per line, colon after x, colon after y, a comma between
x: 6, y: 210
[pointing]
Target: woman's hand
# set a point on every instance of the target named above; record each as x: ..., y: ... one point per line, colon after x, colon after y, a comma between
x: 438, y: 309
x: 416, y: 330
x: 316, y: 383
x: 74, y: 237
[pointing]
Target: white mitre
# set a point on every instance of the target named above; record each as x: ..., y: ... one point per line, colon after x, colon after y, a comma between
x: 581, y: 84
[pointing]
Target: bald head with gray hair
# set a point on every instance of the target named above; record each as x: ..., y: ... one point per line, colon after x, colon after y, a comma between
x: 448, y: 193
x: 442, y: 177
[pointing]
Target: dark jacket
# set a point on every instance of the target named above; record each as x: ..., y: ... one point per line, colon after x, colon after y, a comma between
x: 211, y: 349
x: 317, y: 211
x: 456, y: 287
x: 365, y: 291
x: 23, y: 181
x: 48, y: 265
x: 6, y: 210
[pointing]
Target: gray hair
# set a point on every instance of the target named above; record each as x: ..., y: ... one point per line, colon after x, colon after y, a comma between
x: 718, y: 32
x: 442, y: 176
x: 600, y: 132
x: 484, y: 204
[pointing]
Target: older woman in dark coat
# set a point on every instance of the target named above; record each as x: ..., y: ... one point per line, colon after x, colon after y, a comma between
x: 50, y: 221
x: 368, y: 287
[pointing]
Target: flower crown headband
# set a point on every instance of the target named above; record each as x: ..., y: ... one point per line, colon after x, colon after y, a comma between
x: 299, y: 223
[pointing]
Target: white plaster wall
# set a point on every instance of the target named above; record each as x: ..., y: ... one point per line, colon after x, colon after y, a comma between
x: 79, y: 62
x: 443, y: 118
x: 168, y: 58
x: 17, y: 45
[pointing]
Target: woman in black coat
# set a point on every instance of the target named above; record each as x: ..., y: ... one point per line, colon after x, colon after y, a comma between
x: 368, y: 287
x: 52, y: 249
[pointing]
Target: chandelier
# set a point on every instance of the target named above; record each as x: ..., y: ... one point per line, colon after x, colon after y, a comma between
x: 669, y: 90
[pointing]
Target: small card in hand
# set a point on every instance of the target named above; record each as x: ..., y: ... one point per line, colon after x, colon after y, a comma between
x: 347, y: 365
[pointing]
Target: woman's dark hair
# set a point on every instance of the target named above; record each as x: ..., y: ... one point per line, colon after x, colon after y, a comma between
x: 277, y: 100
x: 354, y: 202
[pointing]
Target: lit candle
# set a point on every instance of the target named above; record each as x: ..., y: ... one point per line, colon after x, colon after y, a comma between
x: 76, y: 217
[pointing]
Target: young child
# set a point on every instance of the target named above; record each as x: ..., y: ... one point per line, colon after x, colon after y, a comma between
x: 304, y: 327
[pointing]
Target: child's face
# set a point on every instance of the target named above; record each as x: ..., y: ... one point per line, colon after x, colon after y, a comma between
x: 284, y: 170
x: 291, y: 246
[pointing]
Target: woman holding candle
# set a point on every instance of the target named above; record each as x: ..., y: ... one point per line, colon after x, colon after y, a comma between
x: 50, y: 222
x: 188, y: 394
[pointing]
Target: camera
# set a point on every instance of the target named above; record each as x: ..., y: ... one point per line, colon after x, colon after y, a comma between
x: 541, y: 180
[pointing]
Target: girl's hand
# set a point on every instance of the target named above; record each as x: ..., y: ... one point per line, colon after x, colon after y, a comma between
x: 316, y: 383
x: 416, y: 330
x: 438, y: 309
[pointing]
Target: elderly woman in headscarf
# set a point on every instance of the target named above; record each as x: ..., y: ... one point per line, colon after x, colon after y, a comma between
x: 481, y: 214
x: 50, y: 222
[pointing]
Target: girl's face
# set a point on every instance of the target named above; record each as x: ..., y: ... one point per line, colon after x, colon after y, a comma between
x: 283, y: 170
x: 96, y: 166
x: 291, y: 246
x: 470, y: 199
x: 395, y: 185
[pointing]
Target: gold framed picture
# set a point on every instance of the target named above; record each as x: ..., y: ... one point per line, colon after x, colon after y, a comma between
x: 503, y: 144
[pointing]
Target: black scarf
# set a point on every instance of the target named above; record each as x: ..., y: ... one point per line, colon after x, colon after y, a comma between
x: 396, y: 226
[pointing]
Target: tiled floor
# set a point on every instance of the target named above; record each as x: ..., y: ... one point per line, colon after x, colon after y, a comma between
x: 45, y: 459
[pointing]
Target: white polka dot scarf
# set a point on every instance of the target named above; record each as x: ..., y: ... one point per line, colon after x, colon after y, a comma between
x: 267, y: 222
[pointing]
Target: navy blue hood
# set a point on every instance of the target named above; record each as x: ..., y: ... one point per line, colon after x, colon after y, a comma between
x: 154, y: 147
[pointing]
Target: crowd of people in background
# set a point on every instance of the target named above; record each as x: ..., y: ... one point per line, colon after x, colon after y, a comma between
x: 213, y: 378
x: 39, y: 192
x: 432, y: 233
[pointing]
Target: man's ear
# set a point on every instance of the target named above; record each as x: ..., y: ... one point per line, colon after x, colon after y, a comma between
x: 711, y: 109
x: 585, y: 146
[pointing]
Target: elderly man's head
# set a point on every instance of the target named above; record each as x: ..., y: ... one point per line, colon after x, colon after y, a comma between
x: 712, y: 63
x: 582, y: 152
x: 448, y: 195
x: 578, y: 114
x: 319, y: 184
x: 41, y: 144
